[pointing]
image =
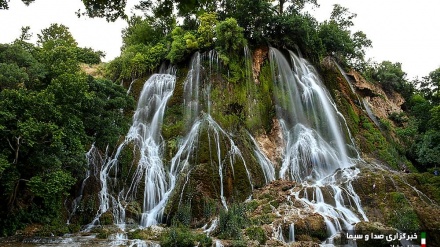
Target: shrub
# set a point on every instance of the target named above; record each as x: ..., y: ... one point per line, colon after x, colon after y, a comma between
x: 232, y: 221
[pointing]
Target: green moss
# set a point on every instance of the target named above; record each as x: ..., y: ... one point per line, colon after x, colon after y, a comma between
x: 267, y: 208
x: 232, y: 221
x: 256, y: 233
x: 426, y: 182
x: 183, y: 237
x: 57, y: 227
x: 375, y: 143
x: 144, y: 234
x: 263, y: 219
x: 405, y: 219
x: 275, y: 203
x: 252, y: 205
x: 137, y: 86
x: 106, y: 218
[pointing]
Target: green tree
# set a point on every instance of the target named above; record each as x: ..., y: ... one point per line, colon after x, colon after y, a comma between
x: 88, y: 55
x: 338, y: 40
x: 206, y: 29
x: 430, y: 86
x: 428, y: 149
x: 19, y: 66
x: 60, y: 60
x: 147, y: 31
x: 294, y: 30
x: 109, y: 9
x: 25, y: 33
x: 46, y: 127
x: 11, y: 76
x: 230, y: 38
x: 4, y: 4
x: 390, y: 76
x: 253, y: 16
x: 295, y: 5
x: 342, y: 17
x: 184, y: 43
x: 420, y: 108
x: 56, y: 35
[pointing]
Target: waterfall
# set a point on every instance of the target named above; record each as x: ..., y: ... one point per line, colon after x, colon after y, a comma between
x: 144, y: 141
x: 291, y: 233
x: 315, y: 153
x: 315, y: 145
x: 279, y: 233
x: 197, y: 89
x: 94, y: 160
x: 263, y: 160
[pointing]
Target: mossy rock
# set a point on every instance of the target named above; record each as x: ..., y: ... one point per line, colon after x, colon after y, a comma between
x: 106, y: 218
x: 133, y: 210
x: 256, y: 233
x: 152, y: 233
x: 312, y: 228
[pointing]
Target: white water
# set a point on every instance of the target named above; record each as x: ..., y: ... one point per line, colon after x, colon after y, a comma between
x: 145, y: 142
x: 94, y: 161
x: 197, y: 89
x: 263, y: 160
x: 364, y: 101
x: 315, y: 148
x: 292, y: 233
x: 315, y: 153
x: 279, y: 233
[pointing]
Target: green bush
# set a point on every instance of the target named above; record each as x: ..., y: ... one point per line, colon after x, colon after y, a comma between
x: 232, y: 221
x: 256, y: 233
x: 179, y: 236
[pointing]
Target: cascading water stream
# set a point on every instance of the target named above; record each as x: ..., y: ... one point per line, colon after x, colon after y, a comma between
x: 94, y: 160
x: 197, y: 89
x: 315, y: 151
x: 291, y: 233
x: 145, y: 140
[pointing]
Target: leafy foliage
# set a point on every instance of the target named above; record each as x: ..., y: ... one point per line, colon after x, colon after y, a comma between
x: 181, y: 236
x: 338, y: 40
x: 232, y: 221
x: 54, y: 36
x: 206, y: 29
x: 230, y: 38
x: 430, y: 86
x: 390, y: 76
x: 51, y: 112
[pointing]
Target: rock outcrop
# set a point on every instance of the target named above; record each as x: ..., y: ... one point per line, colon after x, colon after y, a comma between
x: 381, y: 103
x: 272, y: 144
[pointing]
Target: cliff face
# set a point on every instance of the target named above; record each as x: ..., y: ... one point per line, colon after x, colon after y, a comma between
x: 221, y: 166
x: 382, y: 104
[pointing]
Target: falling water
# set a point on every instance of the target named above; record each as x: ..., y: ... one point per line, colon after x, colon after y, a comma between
x: 291, y: 233
x: 315, y: 150
x: 279, y: 233
x: 203, y: 68
x: 145, y: 140
x: 370, y: 113
x: 315, y: 145
x: 263, y: 160
x: 315, y: 153
x: 94, y: 160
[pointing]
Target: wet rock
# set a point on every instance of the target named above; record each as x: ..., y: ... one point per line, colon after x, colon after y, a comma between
x: 272, y: 144
x: 259, y: 56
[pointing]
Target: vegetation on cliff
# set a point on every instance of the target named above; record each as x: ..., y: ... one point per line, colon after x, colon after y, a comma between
x: 52, y: 113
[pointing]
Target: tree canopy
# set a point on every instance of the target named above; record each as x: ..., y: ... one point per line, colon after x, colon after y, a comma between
x: 51, y: 113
